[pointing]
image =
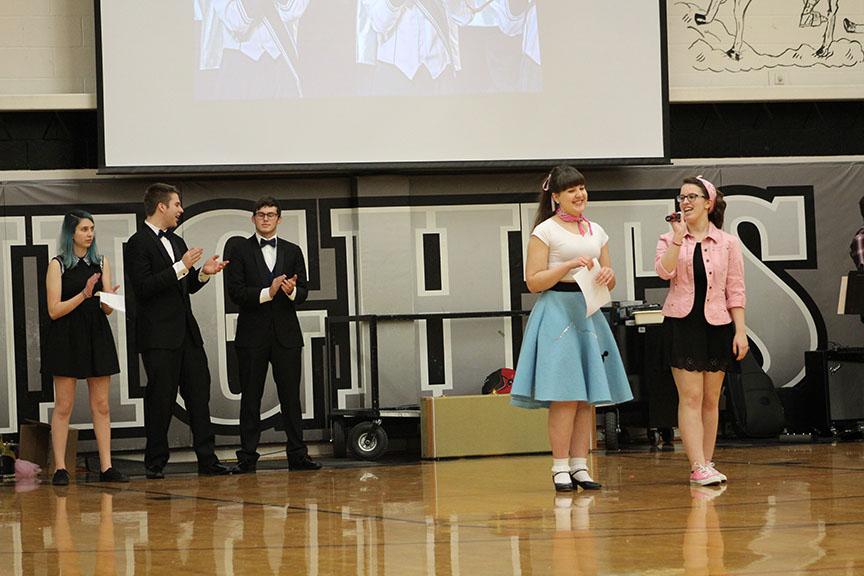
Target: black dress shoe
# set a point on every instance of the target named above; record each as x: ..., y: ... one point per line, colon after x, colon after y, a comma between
x: 562, y: 486
x: 61, y: 477
x: 245, y: 468
x: 113, y: 475
x: 217, y: 469
x: 584, y: 484
x: 154, y: 473
x: 305, y: 464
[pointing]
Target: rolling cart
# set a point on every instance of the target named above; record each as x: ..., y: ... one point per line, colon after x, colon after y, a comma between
x: 654, y: 407
x: 365, y: 432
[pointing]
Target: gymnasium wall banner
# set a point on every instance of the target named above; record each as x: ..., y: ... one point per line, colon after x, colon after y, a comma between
x: 423, y: 244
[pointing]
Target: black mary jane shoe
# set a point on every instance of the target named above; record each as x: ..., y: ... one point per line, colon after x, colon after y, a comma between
x: 562, y: 486
x: 584, y: 484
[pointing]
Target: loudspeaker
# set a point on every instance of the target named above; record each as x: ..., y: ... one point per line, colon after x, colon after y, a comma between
x: 845, y: 389
x: 832, y: 391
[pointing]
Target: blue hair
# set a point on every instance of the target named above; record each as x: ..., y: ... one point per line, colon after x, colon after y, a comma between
x: 65, y: 244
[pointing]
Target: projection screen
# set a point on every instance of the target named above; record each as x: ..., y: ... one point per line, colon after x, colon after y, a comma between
x: 324, y: 85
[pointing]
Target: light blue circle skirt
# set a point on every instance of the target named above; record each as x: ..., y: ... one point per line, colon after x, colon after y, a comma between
x: 566, y: 356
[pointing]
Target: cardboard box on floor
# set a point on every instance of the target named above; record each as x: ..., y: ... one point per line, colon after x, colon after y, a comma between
x: 482, y: 425
x: 34, y: 445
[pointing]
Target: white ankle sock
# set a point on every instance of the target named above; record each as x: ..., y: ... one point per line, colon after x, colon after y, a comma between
x: 560, y: 471
x: 580, y: 464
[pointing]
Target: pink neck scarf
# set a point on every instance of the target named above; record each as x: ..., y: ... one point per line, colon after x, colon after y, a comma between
x: 578, y: 219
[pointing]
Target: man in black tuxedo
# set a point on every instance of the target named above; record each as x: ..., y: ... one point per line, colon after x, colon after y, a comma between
x: 163, y: 275
x: 267, y: 281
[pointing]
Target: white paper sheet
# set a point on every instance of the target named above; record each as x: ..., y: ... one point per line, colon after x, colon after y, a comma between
x: 115, y: 301
x: 596, y: 295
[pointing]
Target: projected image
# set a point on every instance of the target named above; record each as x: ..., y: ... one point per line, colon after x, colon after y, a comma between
x: 249, y: 49
x: 271, y: 49
x: 449, y: 46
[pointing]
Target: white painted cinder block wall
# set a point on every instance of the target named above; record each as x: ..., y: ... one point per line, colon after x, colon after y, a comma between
x: 47, y: 47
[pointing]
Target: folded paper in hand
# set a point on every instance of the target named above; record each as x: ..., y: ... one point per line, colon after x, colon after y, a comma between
x: 115, y: 301
x: 596, y: 295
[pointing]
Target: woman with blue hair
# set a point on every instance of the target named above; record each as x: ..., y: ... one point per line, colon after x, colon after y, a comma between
x: 80, y: 345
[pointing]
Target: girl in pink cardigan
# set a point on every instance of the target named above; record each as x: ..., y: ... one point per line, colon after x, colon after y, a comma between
x: 703, y: 330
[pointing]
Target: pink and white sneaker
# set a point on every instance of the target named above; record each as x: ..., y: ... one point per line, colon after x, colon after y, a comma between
x: 720, y: 474
x: 704, y: 476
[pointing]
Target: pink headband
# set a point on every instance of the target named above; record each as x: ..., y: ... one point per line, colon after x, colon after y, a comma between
x: 712, y: 192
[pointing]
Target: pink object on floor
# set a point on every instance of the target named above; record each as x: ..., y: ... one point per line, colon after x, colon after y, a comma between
x: 25, y: 469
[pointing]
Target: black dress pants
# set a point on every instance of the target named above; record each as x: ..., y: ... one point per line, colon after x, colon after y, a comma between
x: 253, y: 364
x: 184, y: 368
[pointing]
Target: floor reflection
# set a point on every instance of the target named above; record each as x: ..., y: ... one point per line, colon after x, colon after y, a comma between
x: 703, y: 540
x: 574, y: 549
x: 75, y: 559
x: 782, y: 512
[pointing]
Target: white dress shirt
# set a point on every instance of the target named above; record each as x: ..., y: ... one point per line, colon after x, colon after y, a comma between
x: 179, y: 267
x: 269, y: 254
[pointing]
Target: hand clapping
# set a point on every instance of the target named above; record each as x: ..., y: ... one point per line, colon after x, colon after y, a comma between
x: 289, y: 284
x: 91, y: 283
x: 276, y: 285
x: 191, y: 257
x: 213, y: 265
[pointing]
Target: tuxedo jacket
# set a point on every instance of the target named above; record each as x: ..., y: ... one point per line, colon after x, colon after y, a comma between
x: 163, y: 308
x: 247, y: 275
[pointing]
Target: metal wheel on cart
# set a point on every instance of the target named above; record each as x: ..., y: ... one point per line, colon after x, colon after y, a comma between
x: 368, y: 440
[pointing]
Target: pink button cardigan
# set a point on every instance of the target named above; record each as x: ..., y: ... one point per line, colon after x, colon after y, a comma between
x: 724, y: 267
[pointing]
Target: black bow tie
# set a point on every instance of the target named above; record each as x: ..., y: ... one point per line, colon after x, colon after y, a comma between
x: 165, y: 234
x: 270, y: 242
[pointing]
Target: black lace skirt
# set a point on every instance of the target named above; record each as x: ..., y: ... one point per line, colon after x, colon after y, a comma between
x: 693, y: 344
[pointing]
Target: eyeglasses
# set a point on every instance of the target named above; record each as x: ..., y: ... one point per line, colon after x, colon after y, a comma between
x: 266, y: 215
x: 688, y: 197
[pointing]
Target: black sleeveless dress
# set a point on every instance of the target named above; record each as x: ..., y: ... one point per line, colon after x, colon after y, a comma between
x: 691, y: 343
x: 80, y: 344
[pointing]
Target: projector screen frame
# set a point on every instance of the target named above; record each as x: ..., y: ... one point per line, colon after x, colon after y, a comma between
x: 366, y: 168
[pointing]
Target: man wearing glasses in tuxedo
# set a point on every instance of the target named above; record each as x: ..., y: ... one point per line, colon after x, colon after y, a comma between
x: 267, y: 281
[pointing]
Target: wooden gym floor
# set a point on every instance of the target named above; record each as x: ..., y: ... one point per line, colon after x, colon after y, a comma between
x: 788, y: 509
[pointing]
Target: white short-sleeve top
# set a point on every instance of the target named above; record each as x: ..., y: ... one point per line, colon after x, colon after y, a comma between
x: 565, y: 245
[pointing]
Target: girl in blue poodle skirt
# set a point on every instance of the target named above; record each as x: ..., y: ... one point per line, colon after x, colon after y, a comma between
x: 568, y: 362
